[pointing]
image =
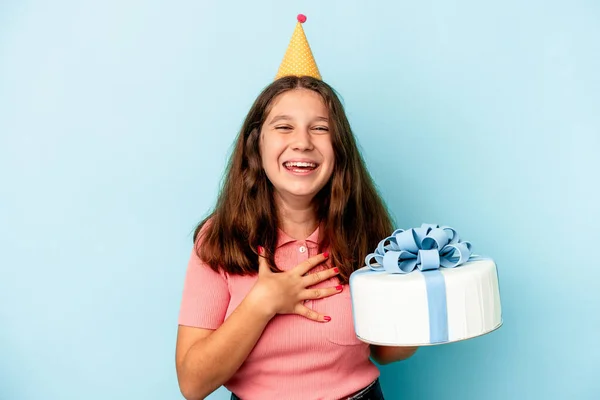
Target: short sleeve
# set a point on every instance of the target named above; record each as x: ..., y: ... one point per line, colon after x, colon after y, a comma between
x: 205, y: 296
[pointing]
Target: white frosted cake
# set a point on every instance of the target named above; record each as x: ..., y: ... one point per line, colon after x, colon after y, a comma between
x: 411, y: 303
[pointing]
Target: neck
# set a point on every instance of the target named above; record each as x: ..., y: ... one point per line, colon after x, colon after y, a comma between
x: 296, y: 218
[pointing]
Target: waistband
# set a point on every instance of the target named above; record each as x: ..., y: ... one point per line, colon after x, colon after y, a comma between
x: 370, y: 392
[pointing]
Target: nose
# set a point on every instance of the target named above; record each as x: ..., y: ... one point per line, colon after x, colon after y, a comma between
x: 301, y: 140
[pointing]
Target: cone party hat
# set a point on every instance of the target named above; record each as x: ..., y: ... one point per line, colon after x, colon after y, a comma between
x: 298, y: 59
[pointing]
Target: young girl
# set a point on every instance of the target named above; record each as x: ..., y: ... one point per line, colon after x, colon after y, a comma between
x: 266, y: 309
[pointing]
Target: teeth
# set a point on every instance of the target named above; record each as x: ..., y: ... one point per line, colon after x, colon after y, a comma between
x: 301, y: 164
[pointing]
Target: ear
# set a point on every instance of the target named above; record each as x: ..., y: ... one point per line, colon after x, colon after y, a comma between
x: 259, y: 140
x: 256, y: 136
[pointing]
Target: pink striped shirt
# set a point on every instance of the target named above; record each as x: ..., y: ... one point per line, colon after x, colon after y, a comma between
x: 295, y: 358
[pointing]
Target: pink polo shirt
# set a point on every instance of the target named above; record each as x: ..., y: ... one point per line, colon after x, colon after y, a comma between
x: 295, y: 358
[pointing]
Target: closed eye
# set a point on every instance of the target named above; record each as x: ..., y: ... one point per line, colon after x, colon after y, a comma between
x: 283, y: 128
x: 321, y: 128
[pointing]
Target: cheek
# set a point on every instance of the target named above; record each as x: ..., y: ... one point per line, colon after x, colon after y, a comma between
x: 270, y: 151
x: 329, y: 153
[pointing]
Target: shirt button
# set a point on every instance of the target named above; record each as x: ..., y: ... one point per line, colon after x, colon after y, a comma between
x: 302, y: 249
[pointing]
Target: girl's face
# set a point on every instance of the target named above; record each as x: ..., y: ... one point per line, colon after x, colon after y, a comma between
x: 295, y: 144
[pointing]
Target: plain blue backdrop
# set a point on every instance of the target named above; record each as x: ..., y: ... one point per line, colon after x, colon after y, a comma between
x: 116, y: 119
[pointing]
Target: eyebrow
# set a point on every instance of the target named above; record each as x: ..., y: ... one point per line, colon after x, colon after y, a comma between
x: 287, y: 118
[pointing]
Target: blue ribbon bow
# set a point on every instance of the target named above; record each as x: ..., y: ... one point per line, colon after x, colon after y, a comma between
x: 426, y: 248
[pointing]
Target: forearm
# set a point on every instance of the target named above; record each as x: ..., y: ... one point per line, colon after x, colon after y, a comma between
x: 389, y: 354
x: 212, y: 361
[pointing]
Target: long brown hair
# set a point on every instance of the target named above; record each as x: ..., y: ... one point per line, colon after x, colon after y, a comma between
x: 353, y: 218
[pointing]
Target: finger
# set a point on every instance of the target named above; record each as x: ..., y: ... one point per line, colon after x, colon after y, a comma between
x: 310, y: 263
x: 313, y: 294
x: 263, y: 263
x: 320, y: 276
x: 311, y: 314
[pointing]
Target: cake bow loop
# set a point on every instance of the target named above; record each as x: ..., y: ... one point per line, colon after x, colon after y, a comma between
x: 427, y: 247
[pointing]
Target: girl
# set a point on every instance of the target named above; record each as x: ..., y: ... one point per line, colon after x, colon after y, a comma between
x: 266, y: 309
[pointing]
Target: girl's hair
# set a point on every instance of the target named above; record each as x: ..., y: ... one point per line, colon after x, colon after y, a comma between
x: 353, y: 218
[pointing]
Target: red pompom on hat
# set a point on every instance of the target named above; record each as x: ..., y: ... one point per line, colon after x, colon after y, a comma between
x: 301, y: 18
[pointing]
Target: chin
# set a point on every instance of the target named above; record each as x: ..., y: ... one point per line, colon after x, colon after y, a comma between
x: 296, y: 192
x: 307, y: 194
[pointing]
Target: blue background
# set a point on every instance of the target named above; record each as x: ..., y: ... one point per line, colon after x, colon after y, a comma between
x: 116, y: 119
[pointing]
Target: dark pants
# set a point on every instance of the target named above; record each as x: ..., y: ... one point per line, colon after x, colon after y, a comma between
x: 371, y: 392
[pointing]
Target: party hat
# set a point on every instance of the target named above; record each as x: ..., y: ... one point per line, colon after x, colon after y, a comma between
x: 298, y: 59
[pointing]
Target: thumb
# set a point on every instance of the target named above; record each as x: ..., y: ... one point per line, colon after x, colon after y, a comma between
x: 263, y: 264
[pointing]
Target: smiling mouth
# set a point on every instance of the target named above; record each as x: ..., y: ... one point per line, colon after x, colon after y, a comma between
x: 300, y: 166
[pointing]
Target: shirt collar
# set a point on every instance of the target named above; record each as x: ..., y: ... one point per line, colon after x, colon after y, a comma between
x: 284, y: 238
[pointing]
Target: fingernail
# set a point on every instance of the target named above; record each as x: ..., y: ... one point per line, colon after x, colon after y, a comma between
x: 339, y: 287
x: 260, y: 249
x: 326, y: 254
x: 336, y: 270
x: 327, y: 318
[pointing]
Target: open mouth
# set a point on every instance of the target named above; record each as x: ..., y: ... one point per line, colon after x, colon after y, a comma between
x: 300, y: 166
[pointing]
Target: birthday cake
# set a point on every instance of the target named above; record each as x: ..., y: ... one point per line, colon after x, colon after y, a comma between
x: 423, y: 286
